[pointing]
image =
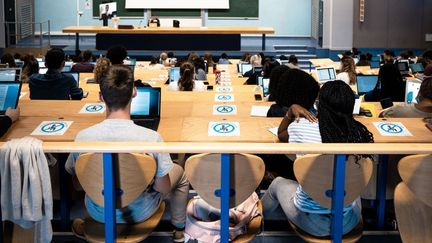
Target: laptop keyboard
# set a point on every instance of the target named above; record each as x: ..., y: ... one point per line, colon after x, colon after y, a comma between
x: 147, y: 123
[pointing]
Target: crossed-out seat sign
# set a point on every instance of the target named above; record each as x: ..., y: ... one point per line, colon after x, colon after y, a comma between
x: 93, y: 108
x: 224, y: 97
x: 392, y: 129
x: 52, y: 128
x: 224, y: 110
x: 224, y: 129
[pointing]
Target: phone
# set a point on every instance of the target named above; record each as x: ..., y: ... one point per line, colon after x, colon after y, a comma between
x: 210, y: 87
x: 206, y: 83
x: 258, y: 97
x: 386, y: 103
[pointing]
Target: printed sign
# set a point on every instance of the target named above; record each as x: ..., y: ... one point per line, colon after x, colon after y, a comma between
x: 391, y: 129
x: 224, y: 89
x: 224, y: 97
x: 52, y: 128
x: 225, y: 84
x: 93, y: 108
x: 224, y: 110
x: 224, y: 129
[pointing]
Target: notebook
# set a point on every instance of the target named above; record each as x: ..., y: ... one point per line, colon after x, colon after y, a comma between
x: 174, y: 74
x: 411, y: 91
x: 10, y: 74
x: 264, y: 83
x: 366, y: 83
x: 326, y: 74
x: 9, y: 95
x: 416, y: 68
x: 75, y: 75
x: 146, y: 107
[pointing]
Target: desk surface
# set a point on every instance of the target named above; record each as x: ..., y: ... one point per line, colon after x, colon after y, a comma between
x: 170, y: 30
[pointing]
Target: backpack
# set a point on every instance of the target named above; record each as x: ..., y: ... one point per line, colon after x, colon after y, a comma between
x: 203, y: 221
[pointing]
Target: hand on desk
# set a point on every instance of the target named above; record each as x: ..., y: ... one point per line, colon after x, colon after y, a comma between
x: 13, y: 114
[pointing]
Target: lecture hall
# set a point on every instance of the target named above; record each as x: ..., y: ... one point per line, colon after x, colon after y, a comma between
x: 207, y: 121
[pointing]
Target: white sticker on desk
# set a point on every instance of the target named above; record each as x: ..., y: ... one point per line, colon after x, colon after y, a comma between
x: 224, y: 129
x: 52, y: 128
x: 391, y: 129
x: 224, y: 89
x: 225, y: 83
x: 93, y: 108
x: 22, y: 94
x: 224, y: 97
x: 224, y: 110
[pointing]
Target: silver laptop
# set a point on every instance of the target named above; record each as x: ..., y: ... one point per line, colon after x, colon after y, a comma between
x: 326, y: 74
x: 10, y: 74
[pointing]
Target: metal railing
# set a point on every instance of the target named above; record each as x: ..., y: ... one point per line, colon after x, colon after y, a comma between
x: 28, y: 34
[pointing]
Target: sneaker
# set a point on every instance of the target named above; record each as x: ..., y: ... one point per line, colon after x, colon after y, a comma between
x: 178, y: 236
x: 78, y: 228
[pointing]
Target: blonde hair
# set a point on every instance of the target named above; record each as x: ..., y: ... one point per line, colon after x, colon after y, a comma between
x: 102, y: 65
x: 255, y: 60
x: 348, y: 66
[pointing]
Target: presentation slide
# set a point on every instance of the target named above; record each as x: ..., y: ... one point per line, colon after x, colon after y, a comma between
x: 178, y: 4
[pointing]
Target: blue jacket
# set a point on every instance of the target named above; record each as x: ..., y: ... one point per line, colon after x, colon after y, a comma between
x: 54, y: 85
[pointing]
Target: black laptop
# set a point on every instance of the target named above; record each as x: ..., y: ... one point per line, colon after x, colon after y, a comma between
x: 146, y: 107
x: 403, y: 66
x: 9, y: 95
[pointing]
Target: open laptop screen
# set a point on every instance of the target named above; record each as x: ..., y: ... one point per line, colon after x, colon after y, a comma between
x: 326, y: 74
x: 375, y: 64
x: 412, y: 90
x: 9, y: 95
x: 403, y: 67
x: 75, y: 75
x: 245, y: 67
x: 416, y: 68
x: 174, y: 74
x: 366, y: 83
x: 10, y: 74
x: 146, y: 103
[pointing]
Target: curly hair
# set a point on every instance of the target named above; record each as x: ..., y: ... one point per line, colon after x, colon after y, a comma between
x: 275, y: 76
x: 102, y: 65
x: 336, y: 122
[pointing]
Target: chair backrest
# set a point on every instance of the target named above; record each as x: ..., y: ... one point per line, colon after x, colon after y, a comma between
x: 204, y: 174
x: 416, y: 173
x: 315, y: 175
x: 133, y: 174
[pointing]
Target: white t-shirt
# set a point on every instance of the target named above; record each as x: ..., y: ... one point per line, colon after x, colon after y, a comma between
x: 343, y: 77
x: 199, y: 86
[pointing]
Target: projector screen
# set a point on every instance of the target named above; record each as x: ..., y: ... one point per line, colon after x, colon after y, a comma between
x: 177, y: 4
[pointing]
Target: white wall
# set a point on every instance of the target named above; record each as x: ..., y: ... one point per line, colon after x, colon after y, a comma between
x: 338, y: 24
x: 2, y: 30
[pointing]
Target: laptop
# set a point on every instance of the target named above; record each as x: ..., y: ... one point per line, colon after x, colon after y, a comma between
x: 146, y: 107
x: 375, y: 64
x: 366, y: 83
x: 41, y: 64
x: 19, y: 63
x: 264, y: 83
x: 174, y: 74
x: 326, y: 74
x: 403, y: 66
x: 43, y: 70
x: 75, y: 75
x: 10, y: 74
x: 67, y: 67
x: 9, y: 95
x: 245, y: 67
x: 416, y: 68
x: 130, y: 61
x: 411, y: 91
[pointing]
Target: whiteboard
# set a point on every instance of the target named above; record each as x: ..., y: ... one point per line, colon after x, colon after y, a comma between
x: 177, y: 4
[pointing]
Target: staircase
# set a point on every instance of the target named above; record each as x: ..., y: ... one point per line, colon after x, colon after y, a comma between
x: 302, y: 52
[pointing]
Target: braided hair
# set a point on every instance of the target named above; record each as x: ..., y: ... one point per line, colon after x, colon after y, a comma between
x: 336, y: 122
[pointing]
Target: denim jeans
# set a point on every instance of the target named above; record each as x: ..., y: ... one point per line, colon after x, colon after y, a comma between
x: 282, y: 192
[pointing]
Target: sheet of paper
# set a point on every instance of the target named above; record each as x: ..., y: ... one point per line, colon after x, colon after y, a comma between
x: 225, y: 89
x: 224, y: 129
x: 224, y: 97
x: 22, y: 94
x: 52, y: 128
x: 392, y: 129
x: 274, y: 130
x: 357, y: 105
x: 93, y: 108
x: 259, y: 110
x: 224, y: 110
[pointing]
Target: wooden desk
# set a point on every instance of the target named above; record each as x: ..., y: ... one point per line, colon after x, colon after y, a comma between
x: 183, y: 38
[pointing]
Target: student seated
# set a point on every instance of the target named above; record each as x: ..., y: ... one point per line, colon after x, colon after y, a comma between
x: 347, y: 71
x: 54, y: 85
x: 154, y: 64
x: 199, y: 65
x: 363, y: 61
x: 275, y: 76
x: 102, y: 65
x: 268, y: 66
x: 335, y: 124
x: 245, y: 58
x: 84, y: 66
x: 186, y: 81
x: 390, y: 85
x: 255, y: 61
x: 116, y: 55
x: 293, y: 62
x: 11, y: 116
x: 8, y: 60
x: 388, y: 57
x: 30, y: 67
x: 422, y: 109
x: 117, y: 91
x: 224, y: 59
x: 427, y: 60
x: 208, y: 58
x: 294, y: 87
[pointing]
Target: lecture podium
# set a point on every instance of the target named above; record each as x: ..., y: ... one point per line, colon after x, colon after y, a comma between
x: 170, y: 38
